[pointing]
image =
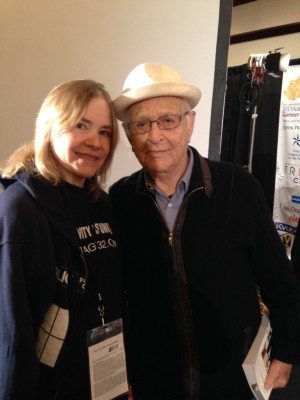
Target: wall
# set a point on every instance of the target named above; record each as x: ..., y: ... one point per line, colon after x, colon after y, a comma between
x: 263, y: 14
x: 43, y: 43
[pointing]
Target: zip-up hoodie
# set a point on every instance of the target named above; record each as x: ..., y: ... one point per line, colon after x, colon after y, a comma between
x: 43, y: 279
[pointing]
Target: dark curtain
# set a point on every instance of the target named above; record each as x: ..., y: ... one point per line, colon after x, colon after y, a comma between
x: 239, y: 102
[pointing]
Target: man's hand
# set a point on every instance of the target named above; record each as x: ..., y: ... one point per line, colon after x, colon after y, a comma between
x: 278, y: 375
x: 130, y: 396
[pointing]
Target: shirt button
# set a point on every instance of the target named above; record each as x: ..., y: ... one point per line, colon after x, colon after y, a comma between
x: 170, y: 204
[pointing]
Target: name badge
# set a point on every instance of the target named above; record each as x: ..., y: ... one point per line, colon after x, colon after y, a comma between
x: 107, y: 362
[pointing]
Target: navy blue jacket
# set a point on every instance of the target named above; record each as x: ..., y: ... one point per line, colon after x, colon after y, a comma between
x: 192, y: 296
x: 38, y: 235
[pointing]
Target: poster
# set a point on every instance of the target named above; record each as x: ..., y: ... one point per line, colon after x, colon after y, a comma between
x: 286, y: 210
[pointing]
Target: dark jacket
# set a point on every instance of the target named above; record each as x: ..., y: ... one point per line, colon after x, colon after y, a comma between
x: 295, y: 253
x: 192, y: 297
x: 39, y: 245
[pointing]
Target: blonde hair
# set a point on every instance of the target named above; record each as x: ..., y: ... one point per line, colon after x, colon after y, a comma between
x: 60, y: 111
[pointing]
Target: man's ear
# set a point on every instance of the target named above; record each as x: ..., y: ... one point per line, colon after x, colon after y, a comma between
x: 125, y: 127
x: 191, y: 123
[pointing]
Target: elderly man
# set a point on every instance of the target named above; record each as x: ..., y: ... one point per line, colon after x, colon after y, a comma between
x: 198, y: 240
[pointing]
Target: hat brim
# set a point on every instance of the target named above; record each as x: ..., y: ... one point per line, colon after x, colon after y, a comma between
x: 188, y: 92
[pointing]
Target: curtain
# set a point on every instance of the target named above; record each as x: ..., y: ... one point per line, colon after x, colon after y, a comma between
x: 238, y: 109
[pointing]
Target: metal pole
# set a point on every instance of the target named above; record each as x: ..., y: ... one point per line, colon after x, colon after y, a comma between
x: 252, y: 136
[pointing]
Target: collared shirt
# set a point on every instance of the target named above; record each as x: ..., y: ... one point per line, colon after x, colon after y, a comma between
x: 169, y: 205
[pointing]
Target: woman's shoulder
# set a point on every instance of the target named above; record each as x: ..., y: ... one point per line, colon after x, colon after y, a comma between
x: 15, y: 195
x: 18, y: 208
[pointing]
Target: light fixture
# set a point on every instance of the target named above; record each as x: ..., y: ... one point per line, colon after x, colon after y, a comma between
x: 272, y: 63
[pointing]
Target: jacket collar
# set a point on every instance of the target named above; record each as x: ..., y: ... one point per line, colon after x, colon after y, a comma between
x: 200, y: 178
x: 201, y: 175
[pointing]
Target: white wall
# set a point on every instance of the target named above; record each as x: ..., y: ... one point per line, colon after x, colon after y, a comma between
x: 43, y: 43
x: 262, y: 14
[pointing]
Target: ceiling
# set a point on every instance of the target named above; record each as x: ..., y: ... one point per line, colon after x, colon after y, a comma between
x: 240, y: 2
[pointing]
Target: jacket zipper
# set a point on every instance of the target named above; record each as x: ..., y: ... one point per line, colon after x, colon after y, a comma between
x: 192, y: 388
x: 170, y: 239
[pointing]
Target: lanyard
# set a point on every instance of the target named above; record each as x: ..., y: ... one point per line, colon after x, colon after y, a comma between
x: 101, y: 308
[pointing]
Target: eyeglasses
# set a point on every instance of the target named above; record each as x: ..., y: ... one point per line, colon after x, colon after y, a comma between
x: 165, y: 122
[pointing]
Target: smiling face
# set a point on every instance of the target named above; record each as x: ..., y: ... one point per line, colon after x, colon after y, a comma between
x: 82, y: 151
x: 162, y: 152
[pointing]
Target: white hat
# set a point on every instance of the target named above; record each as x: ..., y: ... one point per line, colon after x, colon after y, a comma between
x: 153, y: 80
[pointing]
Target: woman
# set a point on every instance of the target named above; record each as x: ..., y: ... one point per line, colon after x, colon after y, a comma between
x: 60, y: 272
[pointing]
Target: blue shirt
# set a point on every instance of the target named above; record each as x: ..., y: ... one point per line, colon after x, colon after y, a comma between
x: 169, y: 205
